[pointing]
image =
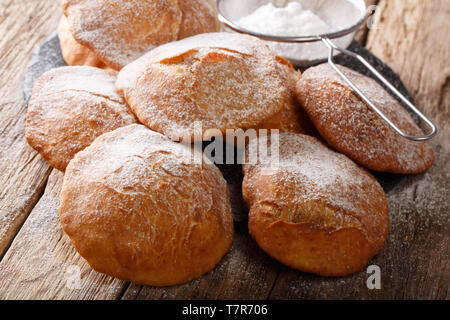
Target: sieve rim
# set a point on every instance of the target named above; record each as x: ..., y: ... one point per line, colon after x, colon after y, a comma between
x: 290, y: 39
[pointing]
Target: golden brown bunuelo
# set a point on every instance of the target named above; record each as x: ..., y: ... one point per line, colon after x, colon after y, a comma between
x: 348, y: 124
x: 74, y: 53
x: 222, y: 81
x: 118, y: 32
x: 314, y: 209
x: 137, y: 208
x: 69, y: 108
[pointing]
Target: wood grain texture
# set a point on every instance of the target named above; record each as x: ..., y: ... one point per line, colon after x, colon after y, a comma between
x: 23, y: 25
x: 42, y: 263
x: 361, y: 35
x: 412, y: 38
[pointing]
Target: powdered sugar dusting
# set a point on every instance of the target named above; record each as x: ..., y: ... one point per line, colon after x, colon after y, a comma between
x: 79, y: 78
x: 310, y: 175
x: 350, y: 126
x: 285, y: 21
x: 198, y: 16
x: 226, y: 81
x: 291, y: 20
x: 243, y: 44
x: 69, y: 108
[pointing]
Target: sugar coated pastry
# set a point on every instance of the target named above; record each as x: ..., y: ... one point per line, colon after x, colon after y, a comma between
x: 314, y: 209
x: 292, y: 118
x: 74, y: 53
x: 223, y: 81
x: 137, y: 208
x: 348, y: 124
x: 69, y: 108
x: 119, y: 32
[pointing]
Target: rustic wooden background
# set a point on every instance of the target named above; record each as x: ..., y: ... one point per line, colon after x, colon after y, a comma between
x: 37, y: 260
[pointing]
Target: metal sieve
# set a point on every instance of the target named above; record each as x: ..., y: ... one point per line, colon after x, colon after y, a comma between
x: 224, y: 17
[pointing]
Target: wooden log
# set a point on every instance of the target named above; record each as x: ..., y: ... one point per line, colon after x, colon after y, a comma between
x: 42, y: 263
x: 23, y: 25
x: 412, y: 37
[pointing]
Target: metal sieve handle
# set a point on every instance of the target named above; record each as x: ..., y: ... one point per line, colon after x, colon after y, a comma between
x: 331, y: 46
x: 325, y: 38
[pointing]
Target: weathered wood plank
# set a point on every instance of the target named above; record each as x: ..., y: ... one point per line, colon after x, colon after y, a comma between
x: 412, y: 37
x: 244, y: 273
x: 23, y: 24
x: 42, y: 263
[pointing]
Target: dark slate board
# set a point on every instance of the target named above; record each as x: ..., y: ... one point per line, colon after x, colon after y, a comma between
x: 45, y: 57
x: 48, y: 56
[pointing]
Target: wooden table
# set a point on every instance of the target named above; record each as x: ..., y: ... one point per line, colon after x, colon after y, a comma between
x: 38, y: 261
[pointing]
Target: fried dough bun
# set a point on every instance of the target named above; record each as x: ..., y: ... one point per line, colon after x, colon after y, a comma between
x: 314, y: 209
x: 137, y: 208
x: 118, y: 32
x: 69, y: 108
x: 292, y: 118
x: 74, y: 53
x: 348, y: 124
